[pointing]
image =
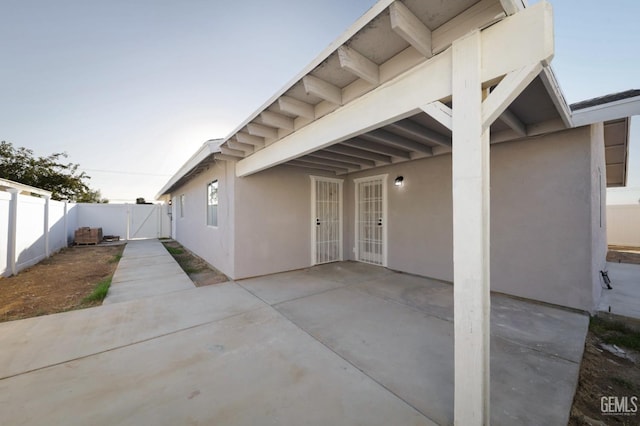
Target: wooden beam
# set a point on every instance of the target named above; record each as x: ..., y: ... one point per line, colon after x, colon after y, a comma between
x: 439, y: 112
x: 224, y: 157
x: 511, y: 120
x: 422, y: 133
x: 274, y: 119
x: 505, y: 47
x: 262, y: 131
x: 344, y: 158
x: 361, y: 153
x: 471, y: 253
x: 308, y: 165
x: 409, y: 27
x: 296, y: 107
x: 392, y: 139
x: 231, y: 152
x: 256, y: 141
x: 507, y: 91
x: 358, y: 64
x: 377, y: 147
x: 234, y: 144
x: 322, y: 89
x: 311, y: 158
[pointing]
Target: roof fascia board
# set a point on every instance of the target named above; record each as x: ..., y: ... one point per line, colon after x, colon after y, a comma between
x: 369, y: 15
x: 550, y: 82
x: 207, y: 148
x: 22, y: 187
x: 622, y: 108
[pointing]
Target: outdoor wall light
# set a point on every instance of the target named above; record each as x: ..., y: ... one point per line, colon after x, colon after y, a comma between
x: 399, y: 181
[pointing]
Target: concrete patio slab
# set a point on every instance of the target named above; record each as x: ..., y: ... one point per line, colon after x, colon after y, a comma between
x: 39, y: 342
x: 251, y: 369
x: 342, y: 343
x: 624, y: 299
x: 287, y: 286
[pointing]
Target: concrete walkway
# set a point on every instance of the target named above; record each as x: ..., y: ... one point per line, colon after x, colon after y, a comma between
x: 624, y: 299
x: 343, y: 344
x: 146, y: 269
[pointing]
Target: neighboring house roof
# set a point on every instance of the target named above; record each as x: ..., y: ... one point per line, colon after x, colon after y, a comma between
x: 614, y: 110
x: 193, y: 166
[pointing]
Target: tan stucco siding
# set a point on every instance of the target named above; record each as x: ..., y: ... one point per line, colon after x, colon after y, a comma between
x: 213, y: 244
x: 273, y: 222
x: 598, y: 210
x: 541, y: 218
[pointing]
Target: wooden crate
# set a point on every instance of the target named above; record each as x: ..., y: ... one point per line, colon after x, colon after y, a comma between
x: 88, y: 235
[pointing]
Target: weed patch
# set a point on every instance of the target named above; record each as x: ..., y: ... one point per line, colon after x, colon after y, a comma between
x: 99, y: 292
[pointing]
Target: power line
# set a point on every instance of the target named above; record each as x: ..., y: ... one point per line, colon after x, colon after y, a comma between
x: 125, y: 173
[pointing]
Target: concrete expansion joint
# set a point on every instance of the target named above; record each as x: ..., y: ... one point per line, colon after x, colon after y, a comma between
x: 535, y: 349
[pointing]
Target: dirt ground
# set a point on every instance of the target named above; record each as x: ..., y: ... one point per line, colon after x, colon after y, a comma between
x: 59, y: 283
x: 200, y: 272
x: 605, y: 374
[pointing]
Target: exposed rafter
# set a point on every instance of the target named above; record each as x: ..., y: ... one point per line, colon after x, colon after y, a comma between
x: 262, y: 131
x: 344, y: 158
x: 333, y: 163
x: 234, y: 144
x: 296, y: 107
x: 392, y: 139
x: 224, y: 157
x: 232, y: 152
x: 361, y: 153
x: 322, y: 89
x: 256, y: 141
x: 420, y: 132
x: 511, y: 120
x: 409, y: 27
x: 378, y: 147
x: 279, y: 121
x: 358, y: 64
x: 439, y: 112
x: 309, y: 165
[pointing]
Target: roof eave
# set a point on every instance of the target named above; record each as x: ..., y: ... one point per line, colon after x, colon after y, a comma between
x: 208, y: 148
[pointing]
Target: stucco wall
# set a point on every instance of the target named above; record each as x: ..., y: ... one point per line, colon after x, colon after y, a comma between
x: 623, y: 225
x: 541, y: 218
x: 214, y: 244
x: 273, y: 214
x: 598, y: 211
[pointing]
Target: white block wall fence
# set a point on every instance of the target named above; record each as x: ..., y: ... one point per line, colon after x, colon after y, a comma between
x: 32, y: 228
x: 623, y: 225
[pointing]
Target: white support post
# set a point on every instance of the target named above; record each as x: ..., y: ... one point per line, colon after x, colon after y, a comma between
x: 471, y: 288
x: 47, y: 252
x: 13, y: 226
x: 66, y: 223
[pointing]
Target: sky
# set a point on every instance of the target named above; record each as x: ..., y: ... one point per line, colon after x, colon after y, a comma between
x: 130, y: 89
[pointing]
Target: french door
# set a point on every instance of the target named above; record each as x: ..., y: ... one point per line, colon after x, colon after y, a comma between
x: 326, y: 220
x: 371, y: 212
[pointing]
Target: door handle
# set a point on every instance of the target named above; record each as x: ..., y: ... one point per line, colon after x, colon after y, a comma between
x: 380, y: 222
x: 317, y: 222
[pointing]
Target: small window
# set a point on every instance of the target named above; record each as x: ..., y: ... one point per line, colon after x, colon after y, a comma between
x: 212, y: 203
x: 182, y: 205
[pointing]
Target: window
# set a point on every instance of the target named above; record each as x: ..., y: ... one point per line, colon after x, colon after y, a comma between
x: 182, y: 205
x: 212, y: 203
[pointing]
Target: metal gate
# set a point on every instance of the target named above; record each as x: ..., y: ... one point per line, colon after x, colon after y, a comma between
x: 371, y: 212
x: 326, y: 215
